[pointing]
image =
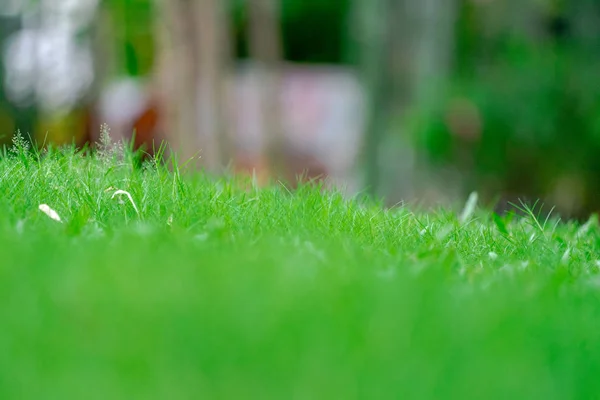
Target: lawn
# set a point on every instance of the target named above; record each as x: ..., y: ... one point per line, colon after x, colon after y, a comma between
x: 200, y: 288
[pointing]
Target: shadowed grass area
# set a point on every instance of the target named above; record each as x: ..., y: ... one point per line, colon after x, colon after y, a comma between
x: 218, y: 289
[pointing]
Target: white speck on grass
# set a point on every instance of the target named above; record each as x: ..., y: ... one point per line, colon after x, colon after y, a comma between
x: 469, y: 207
x: 492, y: 255
x: 121, y: 192
x: 45, y: 208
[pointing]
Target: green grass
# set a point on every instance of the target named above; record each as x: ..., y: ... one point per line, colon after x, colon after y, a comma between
x: 219, y: 291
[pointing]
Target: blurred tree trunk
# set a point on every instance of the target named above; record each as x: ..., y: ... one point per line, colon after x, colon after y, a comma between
x: 104, y: 53
x: 374, y: 35
x: 213, y: 66
x: 427, y: 32
x: 406, y: 52
x: 266, y: 50
x: 192, y: 69
x: 177, y: 69
x: 432, y: 33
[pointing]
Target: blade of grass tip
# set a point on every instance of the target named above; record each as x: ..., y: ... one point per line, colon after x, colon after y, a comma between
x: 196, y: 156
x: 591, y: 222
x: 566, y: 256
x: 469, y: 208
x: 44, y: 142
x: 500, y: 224
x: 121, y: 192
x: 46, y: 209
x: 548, y: 216
x: 160, y: 152
x: 536, y: 218
x: 131, y: 143
x: 530, y: 212
x: 284, y: 186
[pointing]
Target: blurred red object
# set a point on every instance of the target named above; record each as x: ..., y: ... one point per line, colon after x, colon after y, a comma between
x: 322, y: 118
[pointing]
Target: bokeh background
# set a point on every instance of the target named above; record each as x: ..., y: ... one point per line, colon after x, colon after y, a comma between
x: 409, y: 100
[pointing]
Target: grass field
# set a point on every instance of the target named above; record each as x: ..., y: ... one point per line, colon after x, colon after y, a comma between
x: 209, y: 289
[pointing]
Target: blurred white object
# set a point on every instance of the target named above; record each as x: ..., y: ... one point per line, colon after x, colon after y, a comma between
x: 323, y: 112
x: 48, y: 66
x: 45, y: 61
x: 121, y: 101
x: 45, y: 208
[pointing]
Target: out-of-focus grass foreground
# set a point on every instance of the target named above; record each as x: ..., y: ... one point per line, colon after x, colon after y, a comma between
x: 156, y: 240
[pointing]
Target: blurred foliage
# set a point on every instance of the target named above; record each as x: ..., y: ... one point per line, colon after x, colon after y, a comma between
x: 521, y: 110
x: 312, y: 30
x: 132, y: 21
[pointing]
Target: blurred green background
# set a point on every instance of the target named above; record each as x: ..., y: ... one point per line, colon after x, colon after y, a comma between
x: 502, y: 97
